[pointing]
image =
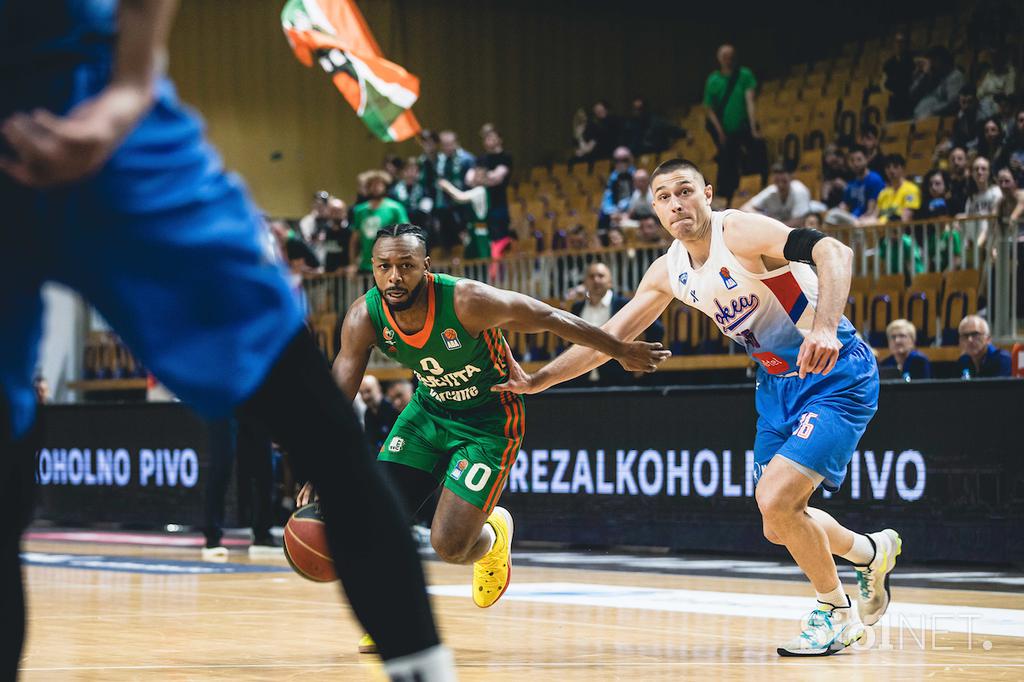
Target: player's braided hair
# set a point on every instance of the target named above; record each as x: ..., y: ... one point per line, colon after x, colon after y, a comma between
x: 401, y: 230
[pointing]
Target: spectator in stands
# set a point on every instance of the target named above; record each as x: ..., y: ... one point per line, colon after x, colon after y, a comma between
x: 645, y: 132
x: 476, y: 237
x: 786, y: 199
x: 370, y: 216
x: 581, y: 145
x: 967, y: 125
x: 598, y: 306
x: 897, y: 203
x: 619, y: 189
x: 947, y: 80
x: 942, y: 242
x: 1011, y: 202
x: 379, y: 416
x: 42, y: 389
x: 903, y: 355
x: 409, y: 192
x: 453, y: 164
x: 731, y: 118
x: 650, y: 233
x: 1000, y: 79
x: 614, y: 238
x: 399, y: 394
x: 899, y: 72
x: 335, y: 238
x: 812, y: 221
x: 859, y: 204
x: 312, y: 223
x: 835, y: 174
x: 601, y: 134
x: 393, y: 167
x: 993, y: 144
x: 981, y: 200
x: 959, y: 179
x: 901, y: 197
x: 979, y: 357
x: 1015, y: 143
x: 429, y: 142
x: 493, y: 171
x: 640, y: 203
x: 867, y: 138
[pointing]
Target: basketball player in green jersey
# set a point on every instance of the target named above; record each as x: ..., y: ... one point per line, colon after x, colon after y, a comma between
x: 455, y: 431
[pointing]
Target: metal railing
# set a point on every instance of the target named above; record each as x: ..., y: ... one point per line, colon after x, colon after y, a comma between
x: 912, y: 248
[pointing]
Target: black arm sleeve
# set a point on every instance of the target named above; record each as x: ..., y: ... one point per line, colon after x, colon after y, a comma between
x: 801, y: 243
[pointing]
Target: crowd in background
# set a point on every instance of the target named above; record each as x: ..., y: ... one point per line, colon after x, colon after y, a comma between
x: 458, y: 198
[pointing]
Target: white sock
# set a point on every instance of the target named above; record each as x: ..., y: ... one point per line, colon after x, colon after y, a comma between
x: 836, y: 597
x: 435, y: 664
x: 492, y: 537
x: 862, y: 553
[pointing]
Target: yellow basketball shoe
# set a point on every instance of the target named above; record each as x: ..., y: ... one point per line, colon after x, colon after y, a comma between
x: 493, y: 572
x: 367, y: 645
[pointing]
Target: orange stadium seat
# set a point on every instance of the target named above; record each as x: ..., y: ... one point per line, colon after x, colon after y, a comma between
x: 921, y: 305
x: 959, y: 299
x: 884, y: 306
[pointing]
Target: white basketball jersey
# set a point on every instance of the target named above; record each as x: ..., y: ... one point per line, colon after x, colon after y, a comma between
x: 769, y: 314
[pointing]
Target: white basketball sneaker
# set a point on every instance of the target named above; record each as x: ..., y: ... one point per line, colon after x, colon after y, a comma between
x: 873, y: 579
x: 826, y: 630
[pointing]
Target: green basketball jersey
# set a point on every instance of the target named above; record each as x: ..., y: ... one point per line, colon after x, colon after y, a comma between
x: 455, y: 370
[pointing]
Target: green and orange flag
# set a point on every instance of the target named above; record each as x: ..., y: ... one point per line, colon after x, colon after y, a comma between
x: 334, y: 34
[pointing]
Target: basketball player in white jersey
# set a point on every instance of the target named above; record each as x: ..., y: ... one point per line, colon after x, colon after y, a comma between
x: 817, y: 384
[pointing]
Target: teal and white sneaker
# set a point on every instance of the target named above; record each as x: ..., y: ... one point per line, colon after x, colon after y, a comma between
x: 873, y: 579
x: 826, y: 631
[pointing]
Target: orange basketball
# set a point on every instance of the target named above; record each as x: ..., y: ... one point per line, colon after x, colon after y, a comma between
x: 305, y: 545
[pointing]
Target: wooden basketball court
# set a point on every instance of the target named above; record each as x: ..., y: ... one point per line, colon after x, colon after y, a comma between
x: 109, y: 612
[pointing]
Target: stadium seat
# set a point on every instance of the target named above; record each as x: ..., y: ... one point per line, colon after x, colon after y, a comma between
x: 749, y: 186
x: 921, y: 304
x: 959, y: 299
x: 885, y: 305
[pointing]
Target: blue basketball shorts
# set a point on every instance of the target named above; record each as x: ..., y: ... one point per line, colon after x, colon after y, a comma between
x: 817, y: 421
x: 163, y: 242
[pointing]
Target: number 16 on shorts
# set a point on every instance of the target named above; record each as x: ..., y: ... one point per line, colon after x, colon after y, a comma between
x: 805, y: 426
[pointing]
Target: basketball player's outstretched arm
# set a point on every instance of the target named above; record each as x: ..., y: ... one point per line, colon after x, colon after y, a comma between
x: 652, y: 297
x: 51, y: 150
x: 754, y: 236
x: 480, y: 307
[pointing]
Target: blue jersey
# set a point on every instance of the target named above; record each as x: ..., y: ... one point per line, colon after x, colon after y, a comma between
x: 164, y: 242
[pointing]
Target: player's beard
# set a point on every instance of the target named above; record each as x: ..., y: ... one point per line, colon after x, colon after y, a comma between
x: 409, y: 302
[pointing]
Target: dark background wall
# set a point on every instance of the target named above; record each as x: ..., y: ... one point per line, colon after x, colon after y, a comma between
x: 526, y: 66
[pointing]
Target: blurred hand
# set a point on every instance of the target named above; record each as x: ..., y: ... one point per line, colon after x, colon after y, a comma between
x: 640, y: 356
x: 306, y: 496
x: 53, y: 150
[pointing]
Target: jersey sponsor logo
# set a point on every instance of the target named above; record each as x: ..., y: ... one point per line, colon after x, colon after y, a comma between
x: 772, y: 363
x: 458, y: 396
x: 736, y: 313
x: 730, y: 283
x: 683, y: 277
x: 396, y: 444
x: 389, y: 336
x: 459, y: 469
x: 440, y: 380
x: 451, y: 339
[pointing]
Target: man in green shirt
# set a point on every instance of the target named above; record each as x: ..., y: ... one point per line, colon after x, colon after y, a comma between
x: 731, y: 120
x: 456, y: 433
x: 369, y: 217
